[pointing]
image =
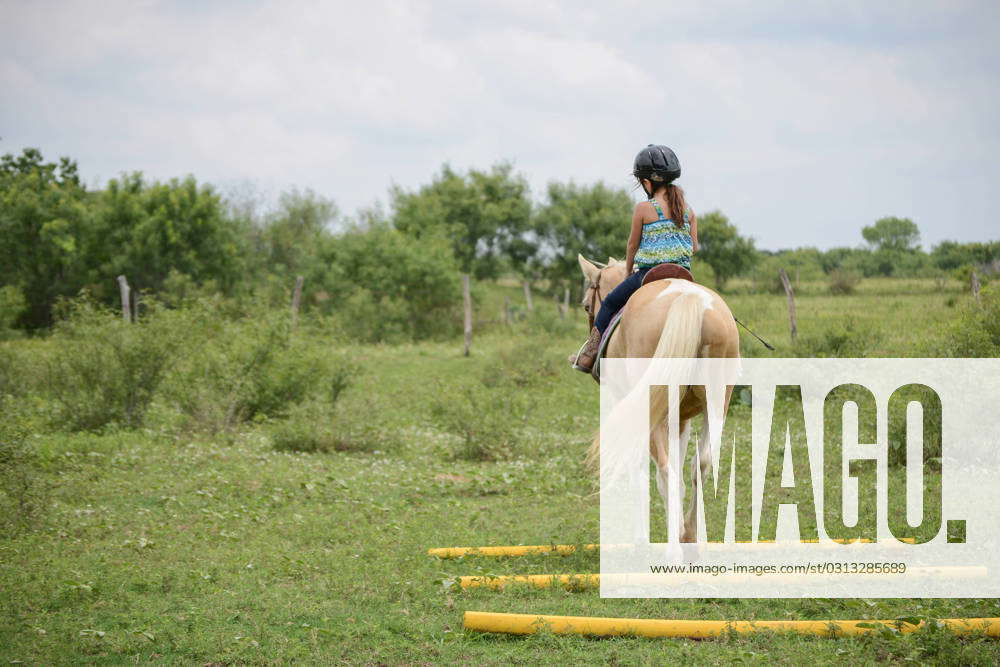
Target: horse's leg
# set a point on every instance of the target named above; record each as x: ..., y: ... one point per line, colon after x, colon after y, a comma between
x: 658, y: 443
x: 701, y: 463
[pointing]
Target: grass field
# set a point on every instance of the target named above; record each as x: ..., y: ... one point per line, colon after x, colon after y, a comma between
x: 170, y: 545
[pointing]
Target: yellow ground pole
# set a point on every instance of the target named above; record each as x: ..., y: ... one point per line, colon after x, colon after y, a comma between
x: 517, y: 550
x: 582, y: 581
x: 535, y: 580
x: 525, y: 624
x: 567, y: 549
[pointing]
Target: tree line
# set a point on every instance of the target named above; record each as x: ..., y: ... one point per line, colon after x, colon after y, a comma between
x: 398, y: 268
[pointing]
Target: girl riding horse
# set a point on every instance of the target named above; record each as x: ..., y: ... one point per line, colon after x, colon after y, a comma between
x: 663, y: 230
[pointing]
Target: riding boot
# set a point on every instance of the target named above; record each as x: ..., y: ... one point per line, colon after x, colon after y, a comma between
x: 585, y: 357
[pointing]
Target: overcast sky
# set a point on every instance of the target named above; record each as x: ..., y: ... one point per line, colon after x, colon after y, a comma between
x: 802, y: 121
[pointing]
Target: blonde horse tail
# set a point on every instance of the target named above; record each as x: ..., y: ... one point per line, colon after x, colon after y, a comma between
x: 680, y: 338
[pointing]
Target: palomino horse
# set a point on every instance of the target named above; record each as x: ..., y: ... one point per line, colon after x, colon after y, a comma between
x: 668, y: 318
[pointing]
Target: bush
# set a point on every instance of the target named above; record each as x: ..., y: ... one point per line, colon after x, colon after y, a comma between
x: 315, y: 428
x: 104, y: 370
x: 12, y: 306
x: 546, y: 321
x: 522, y: 363
x: 297, y: 435
x: 975, y: 331
x: 22, y: 493
x: 963, y: 274
x: 10, y: 384
x: 250, y: 368
x: 897, y: 426
x: 843, y: 281
x: 838, y: 340
x: 487, y: 421
x: 764, y: 278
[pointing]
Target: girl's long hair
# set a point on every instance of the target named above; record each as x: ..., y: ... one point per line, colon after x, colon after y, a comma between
x: 676, y: 204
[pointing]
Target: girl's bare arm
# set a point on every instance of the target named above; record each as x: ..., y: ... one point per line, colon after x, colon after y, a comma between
x: 634, y: 237
x: 694, y: 233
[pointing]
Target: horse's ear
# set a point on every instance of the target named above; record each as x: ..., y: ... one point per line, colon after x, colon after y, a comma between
x: 588, y: 267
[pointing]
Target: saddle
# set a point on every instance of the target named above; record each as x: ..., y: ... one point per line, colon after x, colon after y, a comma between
x: 665, y: 271
x: 658, y: 272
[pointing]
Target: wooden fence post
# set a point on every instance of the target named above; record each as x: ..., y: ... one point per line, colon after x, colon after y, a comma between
x: 527, y: 296
x: 467, y: 302
x: 791, y: 302
x: 975, y: 285
x: 125, y: 292
x: 296, y: 300
x: 564, y: 311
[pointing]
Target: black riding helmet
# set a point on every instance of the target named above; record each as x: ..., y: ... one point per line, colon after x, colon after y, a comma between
x: 657, y: 163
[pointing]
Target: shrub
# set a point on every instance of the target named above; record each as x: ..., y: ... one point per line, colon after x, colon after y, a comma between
x: 9, y: 372
x: 12, y: 305
x: 764, y: 278
x: 975, y: 331
x: 843, y: 281
x: 931, y: 431
x: 253, y: 367
x: 315, y: 428
x: 104, y: 370
x: 963, y: 274
x: 546, y: 320
x: 22, y: 493
x: 487, y: 421
x: 238, y: 370
x: 838, y: 340
x: 522, y: 363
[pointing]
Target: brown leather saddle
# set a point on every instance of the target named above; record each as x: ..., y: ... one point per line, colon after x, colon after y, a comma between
x: 664, y: 271
x: 658, y: 272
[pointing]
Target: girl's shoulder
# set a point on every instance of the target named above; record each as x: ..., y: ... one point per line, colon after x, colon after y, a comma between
x: 647, y: 210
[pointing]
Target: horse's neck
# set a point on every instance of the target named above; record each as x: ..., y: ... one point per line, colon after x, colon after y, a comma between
x: 612, y: 277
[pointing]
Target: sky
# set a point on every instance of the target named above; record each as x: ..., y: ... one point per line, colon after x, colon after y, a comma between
x: 801, y: 121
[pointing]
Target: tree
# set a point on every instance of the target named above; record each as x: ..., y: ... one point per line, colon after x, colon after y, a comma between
x: 388, y: 286
x: 892, y: 234
x: 43, y: 218
x: 950, y: 255
x: 483, y: 214
x: 722, y: 247
x: 289, y: 241
x: 149, y: 230
x: 590, y: 220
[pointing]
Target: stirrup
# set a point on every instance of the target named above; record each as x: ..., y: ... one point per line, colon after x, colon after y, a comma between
x: 577, y: 367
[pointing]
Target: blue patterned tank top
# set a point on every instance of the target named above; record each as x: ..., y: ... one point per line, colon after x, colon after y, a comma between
x: 663, y: 241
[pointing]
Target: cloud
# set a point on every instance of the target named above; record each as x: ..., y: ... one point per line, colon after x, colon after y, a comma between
x: 802, y: 122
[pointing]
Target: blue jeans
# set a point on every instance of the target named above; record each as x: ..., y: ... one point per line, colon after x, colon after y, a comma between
x: 616, y: 299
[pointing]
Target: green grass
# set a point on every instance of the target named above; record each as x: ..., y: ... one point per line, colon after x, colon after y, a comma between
x: 169, y: 546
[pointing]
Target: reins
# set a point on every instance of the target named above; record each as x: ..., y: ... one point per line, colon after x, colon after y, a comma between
x: 594, y: 300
